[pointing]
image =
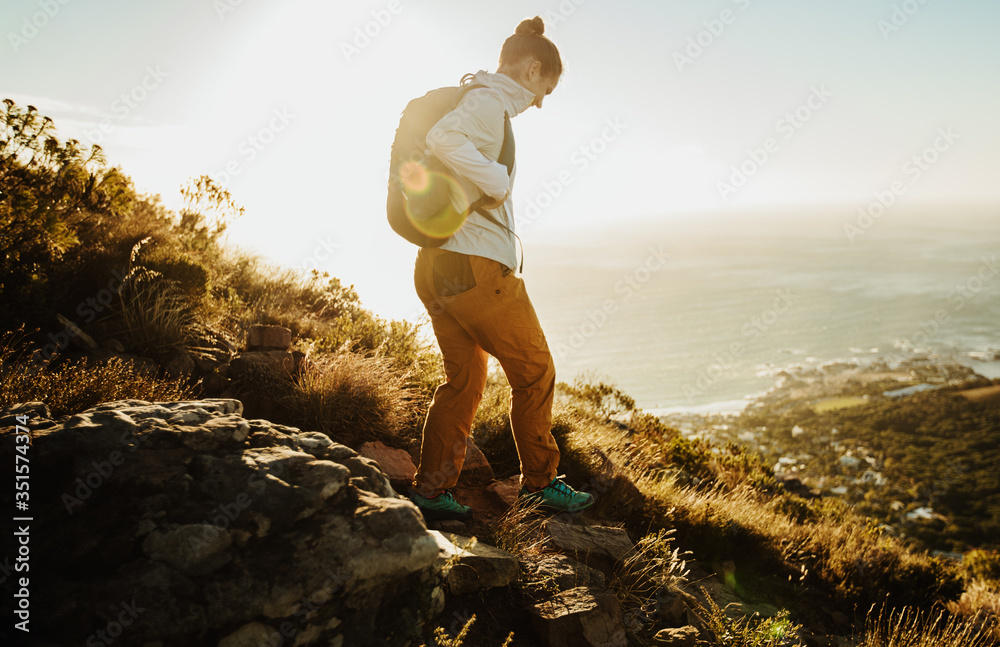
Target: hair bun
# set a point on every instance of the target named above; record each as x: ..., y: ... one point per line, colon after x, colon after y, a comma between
x: 531, y: 26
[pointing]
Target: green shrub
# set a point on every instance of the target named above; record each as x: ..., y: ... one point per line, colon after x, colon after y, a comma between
x: 53, y: 194
x: 751, y: 631
x: 983, y: 566
x: 606, y: 399
x: 188, y: 274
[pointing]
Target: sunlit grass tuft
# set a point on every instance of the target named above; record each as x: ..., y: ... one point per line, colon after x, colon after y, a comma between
x: 751, y: 631
x: 352, y: 398
x: 909, y: 627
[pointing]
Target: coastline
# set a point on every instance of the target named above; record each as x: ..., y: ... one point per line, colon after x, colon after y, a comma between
x: 814, y: 379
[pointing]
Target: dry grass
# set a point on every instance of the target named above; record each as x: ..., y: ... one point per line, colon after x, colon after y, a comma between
x: 909, y: 627
x: 847, y: 555
x: 980, y: 603
x: 442, y: 639
x: 654, y: 564
x: 519, y: 531
x: 72, y: 388
x: 157, y: 317
x: 352, y: 398
x: 654, y: 569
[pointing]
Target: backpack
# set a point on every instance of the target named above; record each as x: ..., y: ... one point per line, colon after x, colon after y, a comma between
x: 420, y: 186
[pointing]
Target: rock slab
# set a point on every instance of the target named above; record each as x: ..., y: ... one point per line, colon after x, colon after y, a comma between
x: 269, y: 338
x: 473, y: 566
x: 601, y: 547
x: 580, y: 617
x: 396, y: 464
x: 201, y: 526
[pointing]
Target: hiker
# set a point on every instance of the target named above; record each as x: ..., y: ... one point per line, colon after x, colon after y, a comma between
x: 478, y: 305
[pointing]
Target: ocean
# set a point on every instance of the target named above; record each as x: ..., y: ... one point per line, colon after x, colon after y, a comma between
x: 700, y: 314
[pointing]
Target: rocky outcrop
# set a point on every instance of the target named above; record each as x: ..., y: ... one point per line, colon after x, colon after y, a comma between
x: 186, y: 524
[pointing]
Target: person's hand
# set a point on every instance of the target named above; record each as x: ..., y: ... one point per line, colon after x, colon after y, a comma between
x: 488, y: 202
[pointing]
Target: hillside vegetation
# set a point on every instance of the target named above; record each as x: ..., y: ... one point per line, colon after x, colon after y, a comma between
x: 922, y: 463
x: 78, y: 241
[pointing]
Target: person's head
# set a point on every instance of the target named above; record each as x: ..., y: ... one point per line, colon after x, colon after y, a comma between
x: 531, y: 59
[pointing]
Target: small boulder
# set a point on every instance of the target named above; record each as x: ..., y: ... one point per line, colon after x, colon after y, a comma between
x: 476, y: 470
x: 475, y: 566
x: 396, y: 464
x: 506, y: 491
x: 269, y: 337
x: 180, y: 364
x: 33, y: 411
x: 580, y: 617
x: 255, y: 364
x: 681, y: 637
x: 674, y: 608
x: 566, y: 573
x: 598, y: 546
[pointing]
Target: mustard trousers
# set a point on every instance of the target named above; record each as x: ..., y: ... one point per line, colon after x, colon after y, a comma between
x: 477, y: 307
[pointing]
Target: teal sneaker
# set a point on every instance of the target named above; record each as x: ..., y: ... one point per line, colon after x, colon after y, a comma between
x: 440, y: 507
x: 557, y: 496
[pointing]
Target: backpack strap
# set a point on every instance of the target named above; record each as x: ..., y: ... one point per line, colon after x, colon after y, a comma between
x: 506, y: 158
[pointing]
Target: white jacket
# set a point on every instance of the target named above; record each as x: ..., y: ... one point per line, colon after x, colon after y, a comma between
x: 468, y: 141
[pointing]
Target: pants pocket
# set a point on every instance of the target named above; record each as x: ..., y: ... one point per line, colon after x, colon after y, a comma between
x: 452, y: 274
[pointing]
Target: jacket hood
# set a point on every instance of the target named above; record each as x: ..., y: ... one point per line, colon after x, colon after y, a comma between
x: 516, y: 98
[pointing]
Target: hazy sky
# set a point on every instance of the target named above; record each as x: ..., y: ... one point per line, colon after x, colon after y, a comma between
x: 666, y: 109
